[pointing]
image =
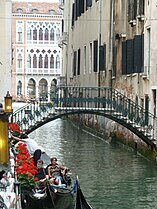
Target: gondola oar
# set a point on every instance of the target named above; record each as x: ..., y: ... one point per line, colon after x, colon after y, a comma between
x: 81, y: 202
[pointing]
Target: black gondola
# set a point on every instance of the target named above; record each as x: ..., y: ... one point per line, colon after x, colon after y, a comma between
x: 81, y: 202
x: 52, y: 197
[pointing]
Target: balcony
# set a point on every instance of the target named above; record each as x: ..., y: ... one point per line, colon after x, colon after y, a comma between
x: 63, y: 40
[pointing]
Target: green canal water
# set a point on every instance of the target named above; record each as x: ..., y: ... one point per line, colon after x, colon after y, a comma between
x: 111, y: 176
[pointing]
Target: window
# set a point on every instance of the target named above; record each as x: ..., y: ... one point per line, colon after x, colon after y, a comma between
x: 74, y: 63
x: 19, y: 35
x: 29, y: 34
x: 46, y: 61
x: 35, y: 34
x: 52, y: 12
x: 51, y: 61
x: 29, y: 61
x: 57, y: 62
x: 19, y: 61
x: 19, y: 88
x: 46, y: 34
x: 132, y: 55
x: 34, y: 61
x: 19, y: 10
x: 90, y: 58
x: 34, y: 11
x: 95, y: 54
x: 57, y: 34
x: 148, y: 52
x: 52, y: 34
x: 78, y: 62
x: 40, y: 61
x: 40, y: 34
x: 85, y: 60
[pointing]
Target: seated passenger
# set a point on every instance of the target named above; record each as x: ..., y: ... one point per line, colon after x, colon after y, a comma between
x: 41, y: 175
x: 56, y: 172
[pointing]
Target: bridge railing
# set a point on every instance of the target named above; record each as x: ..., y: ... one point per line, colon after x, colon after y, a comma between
x: 32, y: 113
x: 109, y: 100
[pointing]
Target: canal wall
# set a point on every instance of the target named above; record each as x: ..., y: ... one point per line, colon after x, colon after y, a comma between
x: 115, y: 132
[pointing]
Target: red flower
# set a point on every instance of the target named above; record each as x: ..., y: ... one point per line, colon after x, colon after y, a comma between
x: 25, y: 169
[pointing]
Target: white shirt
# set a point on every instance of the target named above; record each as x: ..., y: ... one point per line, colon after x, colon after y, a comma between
x: 32, y: 145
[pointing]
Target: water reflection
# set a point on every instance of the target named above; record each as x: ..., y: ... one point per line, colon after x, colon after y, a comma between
x: 111, y: 175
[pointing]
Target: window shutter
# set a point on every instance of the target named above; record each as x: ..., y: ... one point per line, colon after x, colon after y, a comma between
x: 78, y: 63
x: 74, y: 64
x: 114, y: 60
x: 95, y: 55
x: 88, y: 3
x: 124, y: 58
x: 141, y: 7
x: 130, y: 58
x: 81, y: 6
x: 137, y: 54
x: 102, y: 57
x: 73, y: 14
x: 142, y: 61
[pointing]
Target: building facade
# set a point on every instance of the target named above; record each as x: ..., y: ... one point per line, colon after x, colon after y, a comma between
x: 5, y: 48
x: 112, y: 43
x: 37, y: 59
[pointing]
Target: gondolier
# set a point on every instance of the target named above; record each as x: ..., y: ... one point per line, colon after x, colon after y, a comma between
x: 34, y: 149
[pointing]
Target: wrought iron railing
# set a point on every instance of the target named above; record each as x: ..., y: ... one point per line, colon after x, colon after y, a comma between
x: 104, y: 100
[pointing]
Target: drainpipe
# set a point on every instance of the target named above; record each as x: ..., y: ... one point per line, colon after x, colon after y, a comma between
x: 99, y: 39
x: 111, y: 40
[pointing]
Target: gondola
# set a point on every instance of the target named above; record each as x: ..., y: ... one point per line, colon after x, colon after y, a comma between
x: 81, y: 202
x: 50, y: 197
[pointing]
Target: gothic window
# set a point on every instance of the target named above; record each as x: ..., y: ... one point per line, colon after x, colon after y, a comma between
x: 40, y: 61
x: 52, y: 34
x: 19, y: 35
x: 34, y: 61
x: 29, y: 61
x: 57, y: 62
x: 52, y: 61
x: 19, y: 88
x: 46, y: 61
x: 29, y: 34
x: 35, y: 34
x: 40, y: 34
x: 46, y: 34
x: 57, y: 34
x: 19, y: 61
x: 19, y: 10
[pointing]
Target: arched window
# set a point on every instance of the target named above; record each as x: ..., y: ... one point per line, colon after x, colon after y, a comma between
x: 57, y: 34
x: 52, y: 61
x: 40, y: 34
x: 19, y: 61
x: 46, y: 61
x: 34, y: 61
x: 29, y: 61
x: 52, y: 34
x: 19, y: 10
x: 40, y: 61
x: 46, y: 34
x: 19, y: 88
x: 29, y: 34
x: 57, y: 62
x: 35, y: 34
x: 19, y: 35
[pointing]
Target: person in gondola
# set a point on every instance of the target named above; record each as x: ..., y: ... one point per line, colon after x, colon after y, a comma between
x: 56, y: 172
x: 41, y: 175
x: 34, y: 149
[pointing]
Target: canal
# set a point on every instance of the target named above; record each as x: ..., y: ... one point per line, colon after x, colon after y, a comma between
x: 112, y: 176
